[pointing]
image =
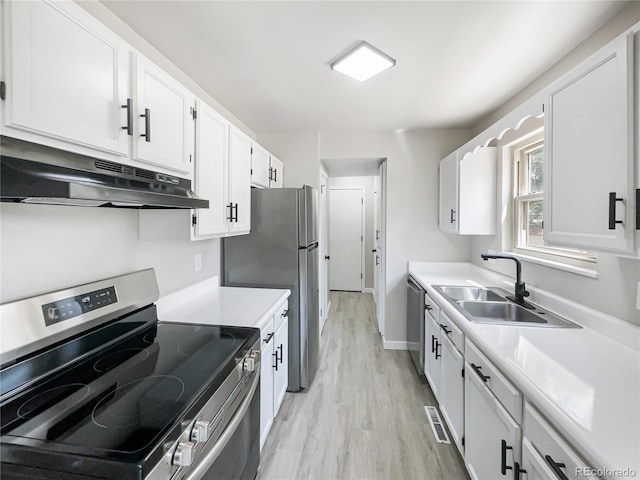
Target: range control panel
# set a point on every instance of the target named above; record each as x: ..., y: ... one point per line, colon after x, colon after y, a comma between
x: 61, y: 310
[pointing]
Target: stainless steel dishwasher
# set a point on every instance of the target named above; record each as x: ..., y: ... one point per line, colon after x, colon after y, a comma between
x: 415, y: 323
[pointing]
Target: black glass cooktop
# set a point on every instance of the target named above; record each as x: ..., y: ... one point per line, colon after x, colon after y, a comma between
x: 121, y: 402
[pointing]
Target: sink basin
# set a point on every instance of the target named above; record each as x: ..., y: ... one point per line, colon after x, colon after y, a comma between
x: 489, y: 306
x: 465, y: 293
x: 489, y: 312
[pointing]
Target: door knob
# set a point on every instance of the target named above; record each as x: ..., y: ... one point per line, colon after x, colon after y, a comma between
x: 327, y: 257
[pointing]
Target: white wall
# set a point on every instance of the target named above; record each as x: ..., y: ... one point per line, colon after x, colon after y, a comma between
x: 369, y: 231
x: 47, y: 247
x: 412, y: 204
x: 299, y: 153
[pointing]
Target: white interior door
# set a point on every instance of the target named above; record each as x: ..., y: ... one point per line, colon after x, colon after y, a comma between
x: 323, y: 237
x: 346, y: 239
x: 380, y: 236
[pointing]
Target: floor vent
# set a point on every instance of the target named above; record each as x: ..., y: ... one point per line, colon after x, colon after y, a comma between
x: 436, y: 425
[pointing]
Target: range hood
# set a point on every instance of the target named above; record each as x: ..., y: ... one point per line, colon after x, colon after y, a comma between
x: 31, y: 173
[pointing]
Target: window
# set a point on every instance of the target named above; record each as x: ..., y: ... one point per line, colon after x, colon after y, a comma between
x: 528, y: 205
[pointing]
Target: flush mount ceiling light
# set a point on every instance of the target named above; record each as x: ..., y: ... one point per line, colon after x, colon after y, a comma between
x: 363, y: 62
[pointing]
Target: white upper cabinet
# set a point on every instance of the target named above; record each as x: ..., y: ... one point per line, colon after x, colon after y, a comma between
x: 260, y: 168
x: 468, y: 193
x: 66, y: 78
x: 163, y: 115
x: 276, y: 172
x: 589, y: 153
x: 239, y: 182
x: 210, y: 182
x: 449, y: 193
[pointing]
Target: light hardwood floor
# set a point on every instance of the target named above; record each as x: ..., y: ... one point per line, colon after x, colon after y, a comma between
x: 363, y: 416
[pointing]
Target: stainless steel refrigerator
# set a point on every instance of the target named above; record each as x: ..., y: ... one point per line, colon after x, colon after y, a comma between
x: 282, y: 252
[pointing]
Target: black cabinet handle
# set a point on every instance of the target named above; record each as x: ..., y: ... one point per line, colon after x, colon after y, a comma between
x: 236, y: 217
x: 268, y: 339
x: 271, y: 174
x: 230, y: 207
x: 275, y: 174
x: 129, y: 107
x: 446, y: 330
x: 438, y: 355
x: 503, y: 460
x: 453, y: 213
x: 613, y: 199
x: 428, y: 307
x: 279, y: 348
x: 517, y: 471
x: 147, y: 125
x: 433, y: 343
x: 477, y: 369
x: 284, y: 314
x: 556, y: 467
x: 275, y: 359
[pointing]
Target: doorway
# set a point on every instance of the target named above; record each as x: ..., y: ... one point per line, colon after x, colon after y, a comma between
x: 346, y: 238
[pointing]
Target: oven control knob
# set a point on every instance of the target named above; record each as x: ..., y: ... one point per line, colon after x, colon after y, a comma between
x: 249, y: 363
x: 200, y: 431
x: 184, y: 454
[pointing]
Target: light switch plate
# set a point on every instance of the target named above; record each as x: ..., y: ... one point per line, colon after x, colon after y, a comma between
x: 197, y: 261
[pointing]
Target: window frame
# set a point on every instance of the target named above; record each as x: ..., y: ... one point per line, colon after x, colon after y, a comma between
x: 520, y: 181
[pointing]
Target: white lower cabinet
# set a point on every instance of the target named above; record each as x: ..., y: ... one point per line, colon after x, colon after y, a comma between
x: 492, y: 436
x: 432, y: 354
x: 549, y: 456
x: 274, y: 369
x: 452, y: 389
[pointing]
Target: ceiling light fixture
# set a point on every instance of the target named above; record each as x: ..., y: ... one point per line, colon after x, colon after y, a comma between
x: 363, y: 62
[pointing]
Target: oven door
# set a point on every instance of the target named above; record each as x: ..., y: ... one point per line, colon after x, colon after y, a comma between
x: 236, y: 453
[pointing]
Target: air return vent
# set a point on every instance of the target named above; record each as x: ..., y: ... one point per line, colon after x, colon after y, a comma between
x: 439, y: 431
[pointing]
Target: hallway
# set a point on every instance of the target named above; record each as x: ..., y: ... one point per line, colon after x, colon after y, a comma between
x: 363, y: 417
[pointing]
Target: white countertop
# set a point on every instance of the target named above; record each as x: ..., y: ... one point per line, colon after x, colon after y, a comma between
x: 585, y: 381
x: 207, y: 303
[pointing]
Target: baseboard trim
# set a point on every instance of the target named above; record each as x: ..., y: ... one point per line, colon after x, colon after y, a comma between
x: 389, y: 345
x: 369, y: 290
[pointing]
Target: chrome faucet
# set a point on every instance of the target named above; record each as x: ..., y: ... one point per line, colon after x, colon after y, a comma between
x: 520, y: 290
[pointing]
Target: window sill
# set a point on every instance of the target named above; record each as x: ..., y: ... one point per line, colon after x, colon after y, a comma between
x: 585, y: 272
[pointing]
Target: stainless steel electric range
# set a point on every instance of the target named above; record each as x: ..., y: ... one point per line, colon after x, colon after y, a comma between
x: 92, y: 385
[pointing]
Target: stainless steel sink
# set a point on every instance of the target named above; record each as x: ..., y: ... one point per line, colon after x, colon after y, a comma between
x: 489, y: 312
x: 467, y: 293
x: 489, y: 306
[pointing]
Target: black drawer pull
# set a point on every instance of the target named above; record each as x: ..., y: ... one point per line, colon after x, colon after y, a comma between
x: 446, y: 330
x: 284, y: 313
x: 129, y: 107
x: 433, y: 343
x: 275, y: 360
x: 279, y: 348
x: 503, y: 458
x: 613, y: 199
x: 438, y: 345
x: 268, y: 339
x: 556, y: 467
x: 477, y: 369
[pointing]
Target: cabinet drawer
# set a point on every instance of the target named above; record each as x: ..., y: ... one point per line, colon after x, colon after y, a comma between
x: 431, y: 308
x: 502, y: 388
x: 281, y: 315
x: 452, y: 332
x: 551, y: 448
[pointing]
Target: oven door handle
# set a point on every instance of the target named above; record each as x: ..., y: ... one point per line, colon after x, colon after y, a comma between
x: 211, y: 456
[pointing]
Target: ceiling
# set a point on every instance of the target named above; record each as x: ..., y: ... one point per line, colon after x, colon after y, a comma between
x: 352, y: 167
x: 457, y: 61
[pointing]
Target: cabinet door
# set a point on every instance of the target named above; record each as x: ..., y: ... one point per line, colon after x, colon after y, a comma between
x: 432, y: 355
x: 477, y: 193
x: 281, y: 374
x: 240, y: 180
x: 266, y: 390
x: 452, y: 390
x: 449, y: 193
x: 164, y: 119
x: 210, y: 179
x: 66, y: 76
x: 487, y: 426
x: 276, y: 173
x: 589, y: 153
x: 533, y: 464
x: 259, y: 166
